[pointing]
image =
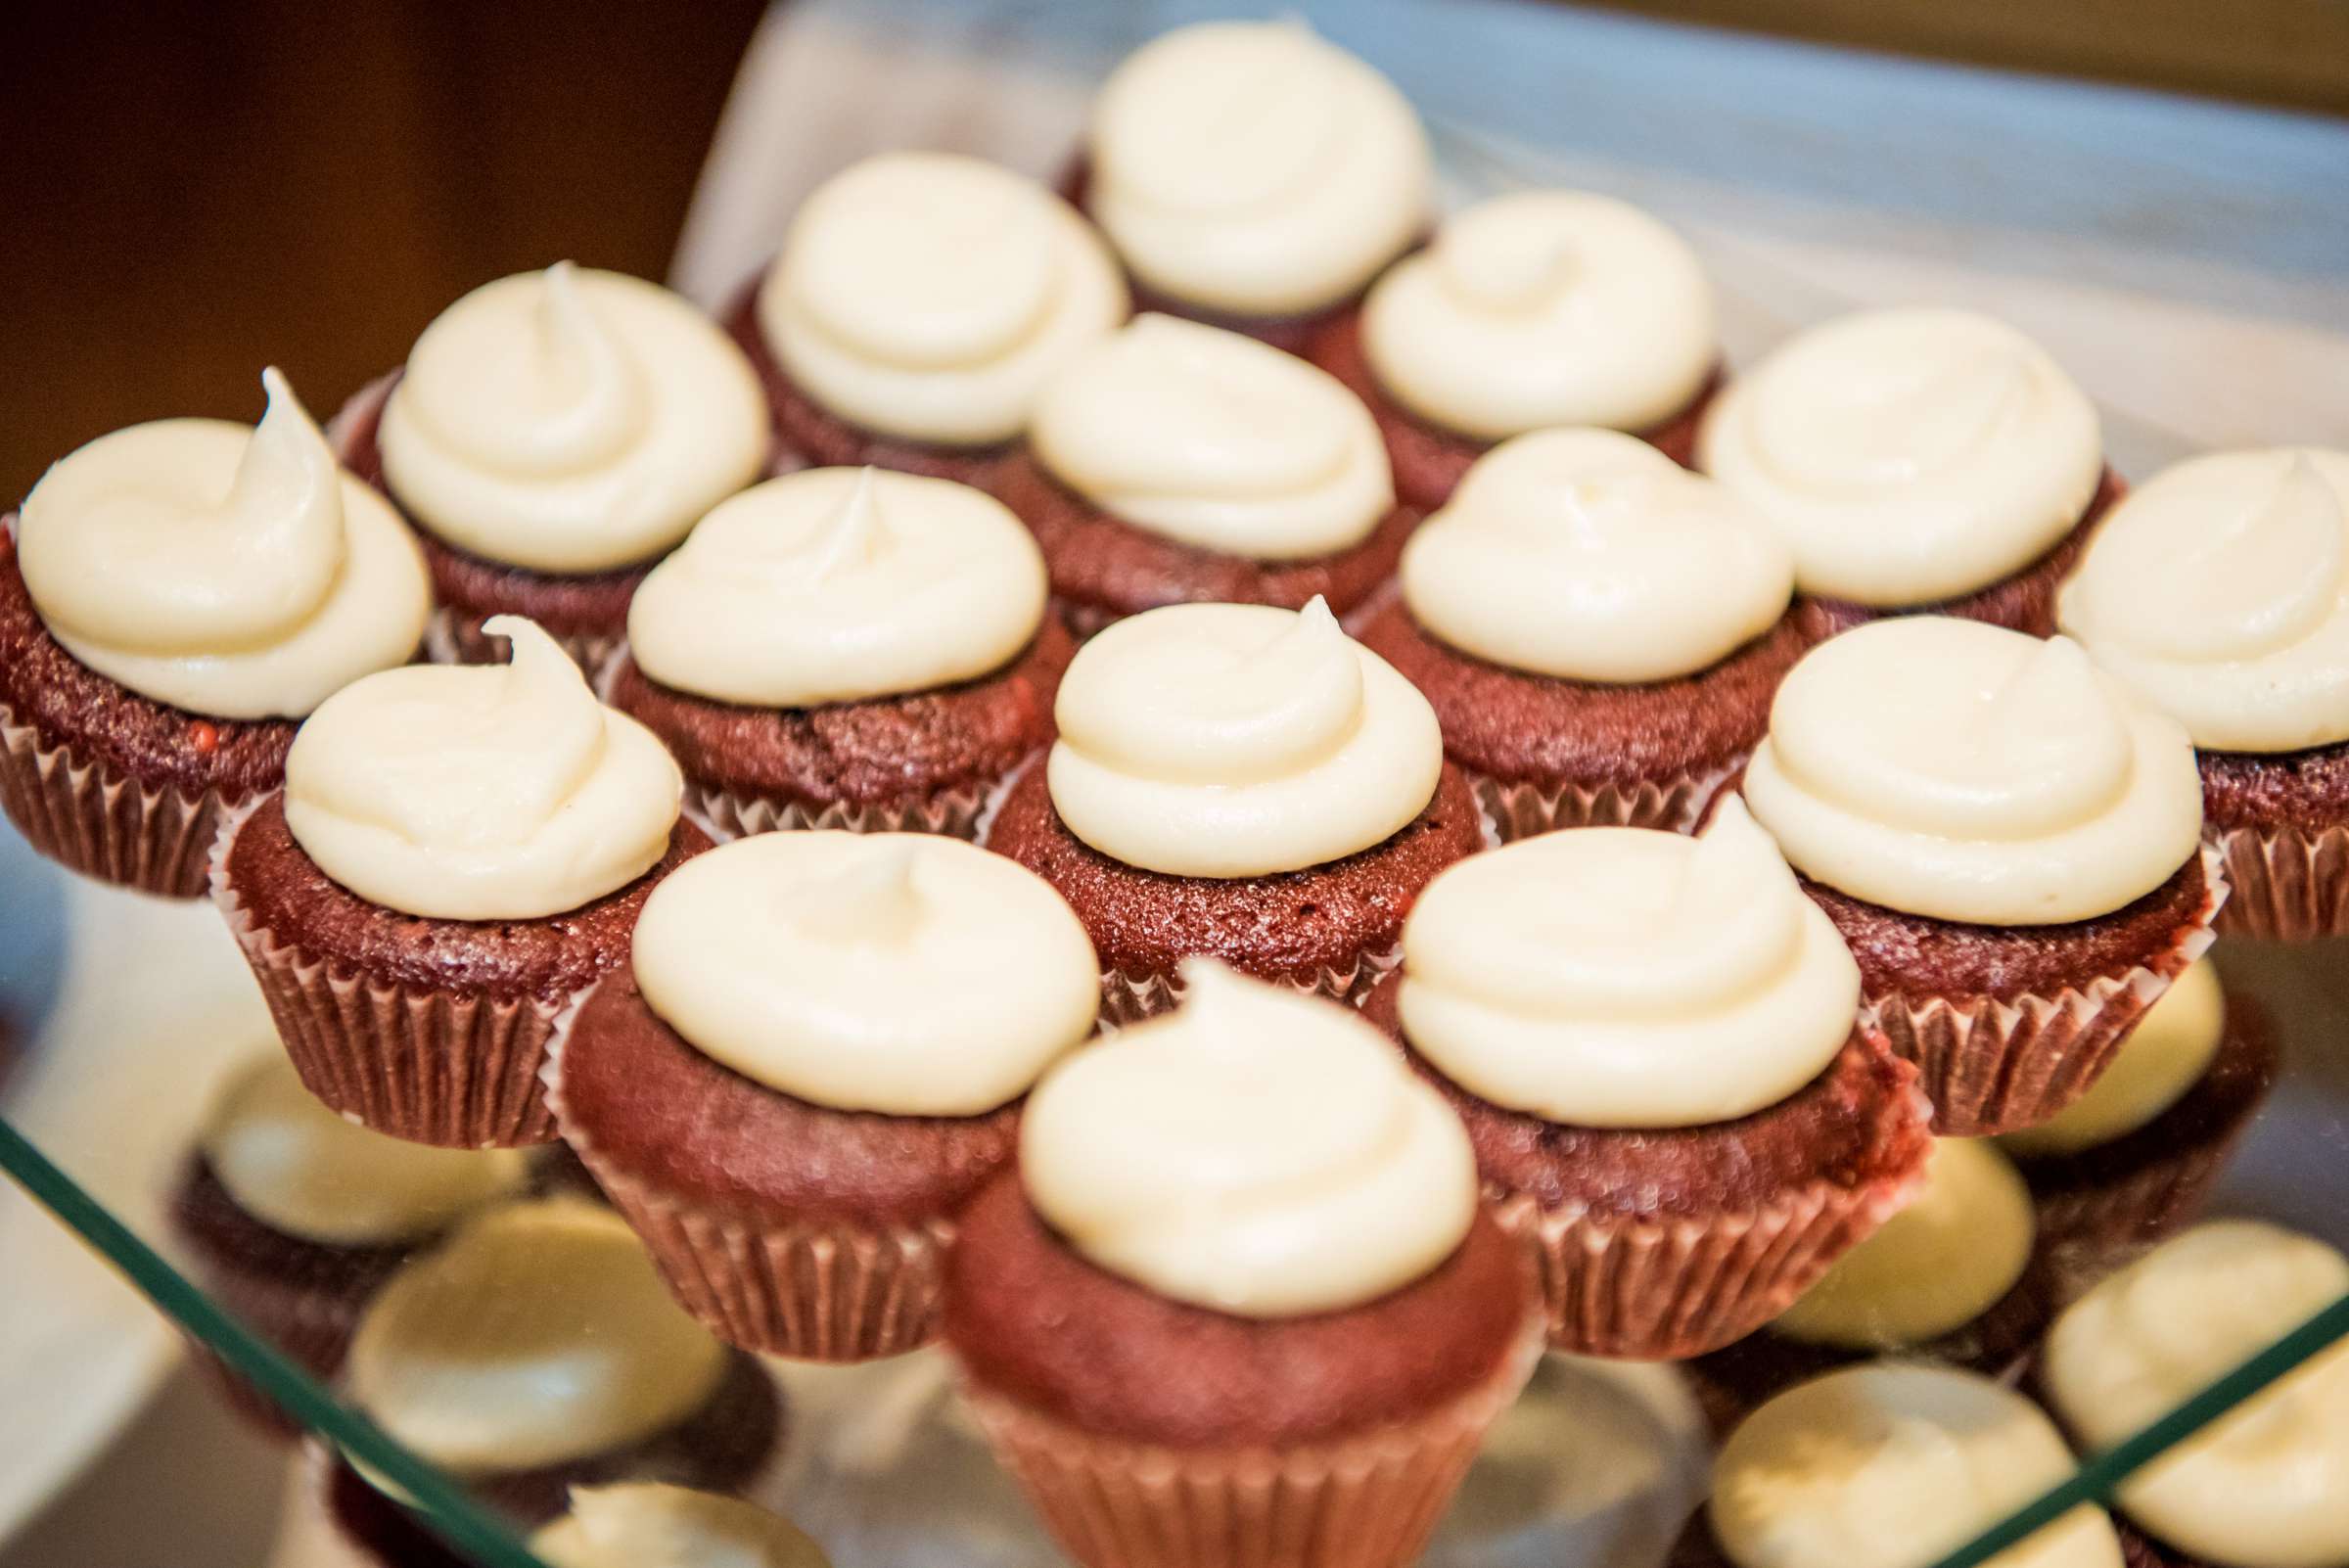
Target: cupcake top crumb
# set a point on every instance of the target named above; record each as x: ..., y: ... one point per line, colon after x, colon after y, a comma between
x: 645, y: 1524
x: 2165, y: 1055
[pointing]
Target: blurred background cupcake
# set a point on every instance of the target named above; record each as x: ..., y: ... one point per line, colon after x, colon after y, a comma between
x: 647, y: 1524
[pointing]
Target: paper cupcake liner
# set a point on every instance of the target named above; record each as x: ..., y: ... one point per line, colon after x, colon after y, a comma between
x: 1519, y: 810
x: 1992, y: 1064
x: 1646, y: 1288
x: 455, y: 1069
x: 2289, y: 885
x: 2098, y: 1223
x: 92, y: 820
x: 1129, y: 998
x: 312, y: 1328
x: 954, y: 813
x: 455, y: 636
x: 1368, y: 1501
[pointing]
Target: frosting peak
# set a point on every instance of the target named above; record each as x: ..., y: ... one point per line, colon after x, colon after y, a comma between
x: 1256, y: 1151
x: 1236, y: 741
x: 1215, y: 440
x: 840, y: 584
x: 1588, y: 555
x: 480, y: 793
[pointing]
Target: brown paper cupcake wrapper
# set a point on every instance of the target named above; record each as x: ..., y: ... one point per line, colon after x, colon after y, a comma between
x: 1369, y: 1502
x: 2289, y: 885
x: 1129, y: 998
x: 311, y: 1327
x: 1645, y: 1288
x: 448, y: 1068
x: 1519, y: 810
x: 89, y: 819
x: 954, y: 813
x: 2098, y: 1223
x: 1991, y: 1065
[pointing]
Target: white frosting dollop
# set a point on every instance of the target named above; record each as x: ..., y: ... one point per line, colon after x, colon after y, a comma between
x: 646, y: 1523
x: 570, y: 421
x: 1217, y: 440
x: 1909, y: 455
x: 837, y: 585
x: 2163, y: 1057
x: 230, y: 571
x: 299, y: 1167
x: 1888, y: 1465
x: 1949, y: 1257
x: 1256, y: 1151
x: 498, y: 792
x: 902, y: 973
x: 1252, y: 167
x: 928, y: 296
x: 2219, y: 589
x: 539, y: 1333
x: 1588, y: 555
x: 1622, y: 977
x: 1230, y: 740
x: 2265, y: 1486
x: 1953, y: 769
x: 1539, y: 308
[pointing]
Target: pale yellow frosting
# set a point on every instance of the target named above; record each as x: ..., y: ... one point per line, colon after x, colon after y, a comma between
x: 1588, y: 555
x: 226, y: 569
x: 299, y: 1167
x: 1252, y: 167
x: 1909, y: 455
x: 1539, y: 308
x: 836, y: 585
x: 1257, y: 1151
x: 570, y: 421
x: 1215, y: 440
x: 2219, y: 589
x: 2266, y: 1485
x: 499, y: 792
x: 1229, y: 740
x: 1953, y: 769
x: 902, y: 973
x: 646, y: 1523
x: 2164, y: 1055
x: 1958, y: 1247
x: 536, y: 1334
x: 1889, y: 1465
x: 928, y: 296
x: 1622, y: 977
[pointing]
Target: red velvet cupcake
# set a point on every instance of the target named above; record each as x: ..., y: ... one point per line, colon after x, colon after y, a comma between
x: 918, y: 302
x: 1600, y: 633
x: 2221, y: 590
x: 1174, y: 463
x: 817, y: 1058
x: 1534, y: 310
x: 552, y: 434
x: 846, y: 648
x: 1243, y: 783
x: 458, y: 854
x: 1239, y: 1305
x: 173, y: 598
x: 1918, y: 462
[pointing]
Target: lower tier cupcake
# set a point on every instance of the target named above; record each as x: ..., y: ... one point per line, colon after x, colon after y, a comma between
x: 1298, y: 1366
x: 621, y: 1524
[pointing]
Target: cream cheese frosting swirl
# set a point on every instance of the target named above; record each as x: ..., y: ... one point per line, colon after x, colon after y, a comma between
x: 648, y: 1524
x: 928, y: 296
x: 1909, y: 455
x: 1539, y: 308
x: 1252, y: 167
x: 1257, y: 1151
x: 538, y: 1334
x: 1588, y: 555
x: 570, y: 421
x: 1891, y: 1465
x: 1621, y: 977
x: 837, y: 585
x: 2221, y: 590
x: 481, y: 792
x: 2163, y: 1057
x: 1229, y: 740
x: 902, y: 973
x: 1215, y: 440
x: 1951, y: 769
x: 2263, y: 1485
x: 229, y: 571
